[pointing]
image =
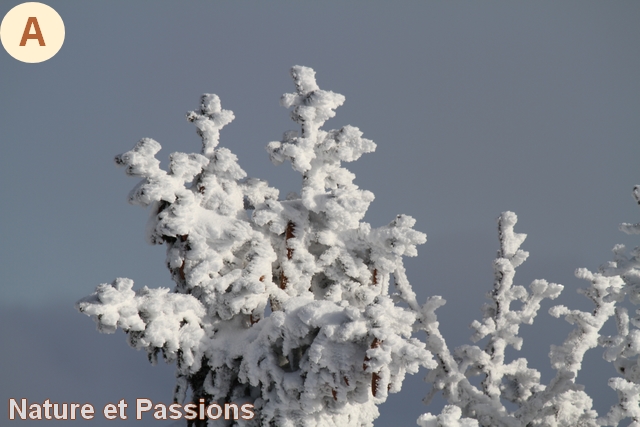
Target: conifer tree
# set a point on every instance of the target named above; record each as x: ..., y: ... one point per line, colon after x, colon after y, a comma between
x: 280, y: 303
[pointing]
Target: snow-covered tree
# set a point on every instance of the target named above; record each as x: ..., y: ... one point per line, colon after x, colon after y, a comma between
x: 283, y: 304
x: 299, y: 308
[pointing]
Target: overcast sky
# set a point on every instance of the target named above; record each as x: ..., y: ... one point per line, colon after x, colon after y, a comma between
x: 476, y: 108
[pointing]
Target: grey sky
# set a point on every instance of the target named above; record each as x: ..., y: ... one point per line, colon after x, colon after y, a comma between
x: 476, y: 107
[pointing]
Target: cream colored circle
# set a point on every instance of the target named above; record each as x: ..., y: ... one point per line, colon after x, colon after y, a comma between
x: 19, y: 26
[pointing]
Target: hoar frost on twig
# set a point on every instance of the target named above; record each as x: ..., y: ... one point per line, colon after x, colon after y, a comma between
x: 514, y: 381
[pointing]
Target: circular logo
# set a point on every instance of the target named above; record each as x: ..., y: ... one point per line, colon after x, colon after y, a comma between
x: 32, y: 32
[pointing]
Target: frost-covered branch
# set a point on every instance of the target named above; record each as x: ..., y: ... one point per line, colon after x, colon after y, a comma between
x: 562, y: 402
x: 154, y: 320
x: 514, y: 382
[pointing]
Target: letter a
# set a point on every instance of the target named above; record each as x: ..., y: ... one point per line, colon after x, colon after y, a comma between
x: 38, y: 34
